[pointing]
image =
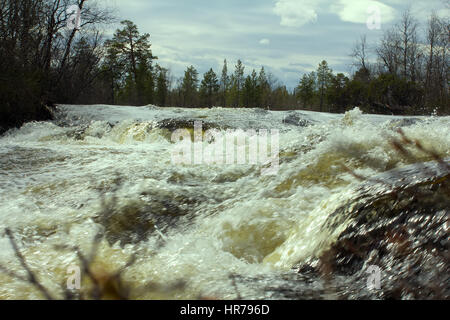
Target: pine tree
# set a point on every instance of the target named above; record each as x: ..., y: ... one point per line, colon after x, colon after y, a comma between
x: 114, y: 70
x: 250, y: 91
x: 237, y: 84
x: 131, y: 51
x: 306, y: 88
x: 209, y: 88
x: 189, y: 87
x: 263, y: 92
x: 224, y: 84
x: 337, y: 93
x: 162, y: 86
x: 324, y: 76
x: 145, y: 83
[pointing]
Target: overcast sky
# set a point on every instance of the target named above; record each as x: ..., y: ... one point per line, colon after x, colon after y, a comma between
x: 287, y: 37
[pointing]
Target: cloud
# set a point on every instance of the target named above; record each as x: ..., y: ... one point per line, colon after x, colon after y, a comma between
x: 422, y: 10
x: 191, y: 32
x: 296, y: 13
x: 358, y: 11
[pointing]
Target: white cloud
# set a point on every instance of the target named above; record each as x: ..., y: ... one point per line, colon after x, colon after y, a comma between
x: 264, y: 42
x: 296, y: 13
x: 358, y: 11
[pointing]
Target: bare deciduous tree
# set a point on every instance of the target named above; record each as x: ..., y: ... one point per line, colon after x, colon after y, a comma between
x: 360, y: 54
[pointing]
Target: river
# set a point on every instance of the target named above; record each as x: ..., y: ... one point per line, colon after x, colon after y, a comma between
x: 196, y: 229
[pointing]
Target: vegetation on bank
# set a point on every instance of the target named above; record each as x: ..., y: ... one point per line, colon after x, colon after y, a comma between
x: 42, y: 60
x: 45, y: 62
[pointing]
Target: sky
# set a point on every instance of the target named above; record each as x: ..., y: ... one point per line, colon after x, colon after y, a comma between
x: 287, y: 37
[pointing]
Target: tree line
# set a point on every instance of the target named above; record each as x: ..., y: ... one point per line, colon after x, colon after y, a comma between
x: 45, y: 62
x: 131, y: 76
x: 259, y: 89
x: 42, y: 60
x: 405, y: 73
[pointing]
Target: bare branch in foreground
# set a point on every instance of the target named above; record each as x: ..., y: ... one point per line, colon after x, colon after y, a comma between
x: 31, y: 276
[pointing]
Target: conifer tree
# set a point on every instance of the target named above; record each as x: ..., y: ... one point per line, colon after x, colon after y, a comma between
x: 237, y: 84
x: 189, y: 87
x: 250, y: 94
x: 224, y: 84
x: 209, y: 88
x: 131, y: 50
x: 263, y: 89
x: 324, y: 76
x: 306, y: 88
x: 162, y: 86
x: 337, y: 93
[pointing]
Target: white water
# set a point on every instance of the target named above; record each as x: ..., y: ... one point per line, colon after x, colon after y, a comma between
x: 236, y: 220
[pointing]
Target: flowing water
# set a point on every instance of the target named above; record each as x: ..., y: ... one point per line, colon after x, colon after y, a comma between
x: 224, y: 230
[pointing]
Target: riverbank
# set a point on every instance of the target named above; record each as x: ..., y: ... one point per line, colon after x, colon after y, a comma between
x: 14, y: 116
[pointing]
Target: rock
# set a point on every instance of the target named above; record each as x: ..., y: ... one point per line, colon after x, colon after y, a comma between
x: 174, y: 124
x: 406, y: 122
x: 295, y: 120
x: 398, y: 223
x: 133, y: 221
x: 261, y: 111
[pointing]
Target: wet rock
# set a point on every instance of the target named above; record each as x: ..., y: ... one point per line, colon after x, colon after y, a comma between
x: 261, y: 111
x: 78, y: 133
x: 399, y: 223
x: 295, y: 119
x: 175, y: 124
x: 137, y: 220
x: 402, y: 123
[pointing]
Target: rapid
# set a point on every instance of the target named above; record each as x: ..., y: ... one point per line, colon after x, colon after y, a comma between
x: 196, y: 230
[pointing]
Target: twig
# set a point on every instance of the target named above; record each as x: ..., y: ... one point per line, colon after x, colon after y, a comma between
x: 420, y: 147
x: 233, y: 282
x: 31, y: 276
x: 96, y: 291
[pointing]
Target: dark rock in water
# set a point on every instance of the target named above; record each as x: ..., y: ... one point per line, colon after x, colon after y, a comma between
x: 77, y: 133
x: 296, y: 120
x: 407, y: 122
x: 137, y: 220
x: 261, y: 111
x: 2, y: 130
x: 398, y: 223
x: 175, y: 124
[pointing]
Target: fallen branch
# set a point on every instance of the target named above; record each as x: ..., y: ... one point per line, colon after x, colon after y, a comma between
x: 31, y: 276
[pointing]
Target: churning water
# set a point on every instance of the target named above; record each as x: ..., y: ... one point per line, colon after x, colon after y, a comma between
x: 224, y: 230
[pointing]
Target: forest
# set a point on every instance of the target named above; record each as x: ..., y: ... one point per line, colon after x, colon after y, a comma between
x: 46, y: 63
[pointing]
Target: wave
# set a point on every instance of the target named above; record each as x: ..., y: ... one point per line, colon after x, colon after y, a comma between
x: 109, y: 169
